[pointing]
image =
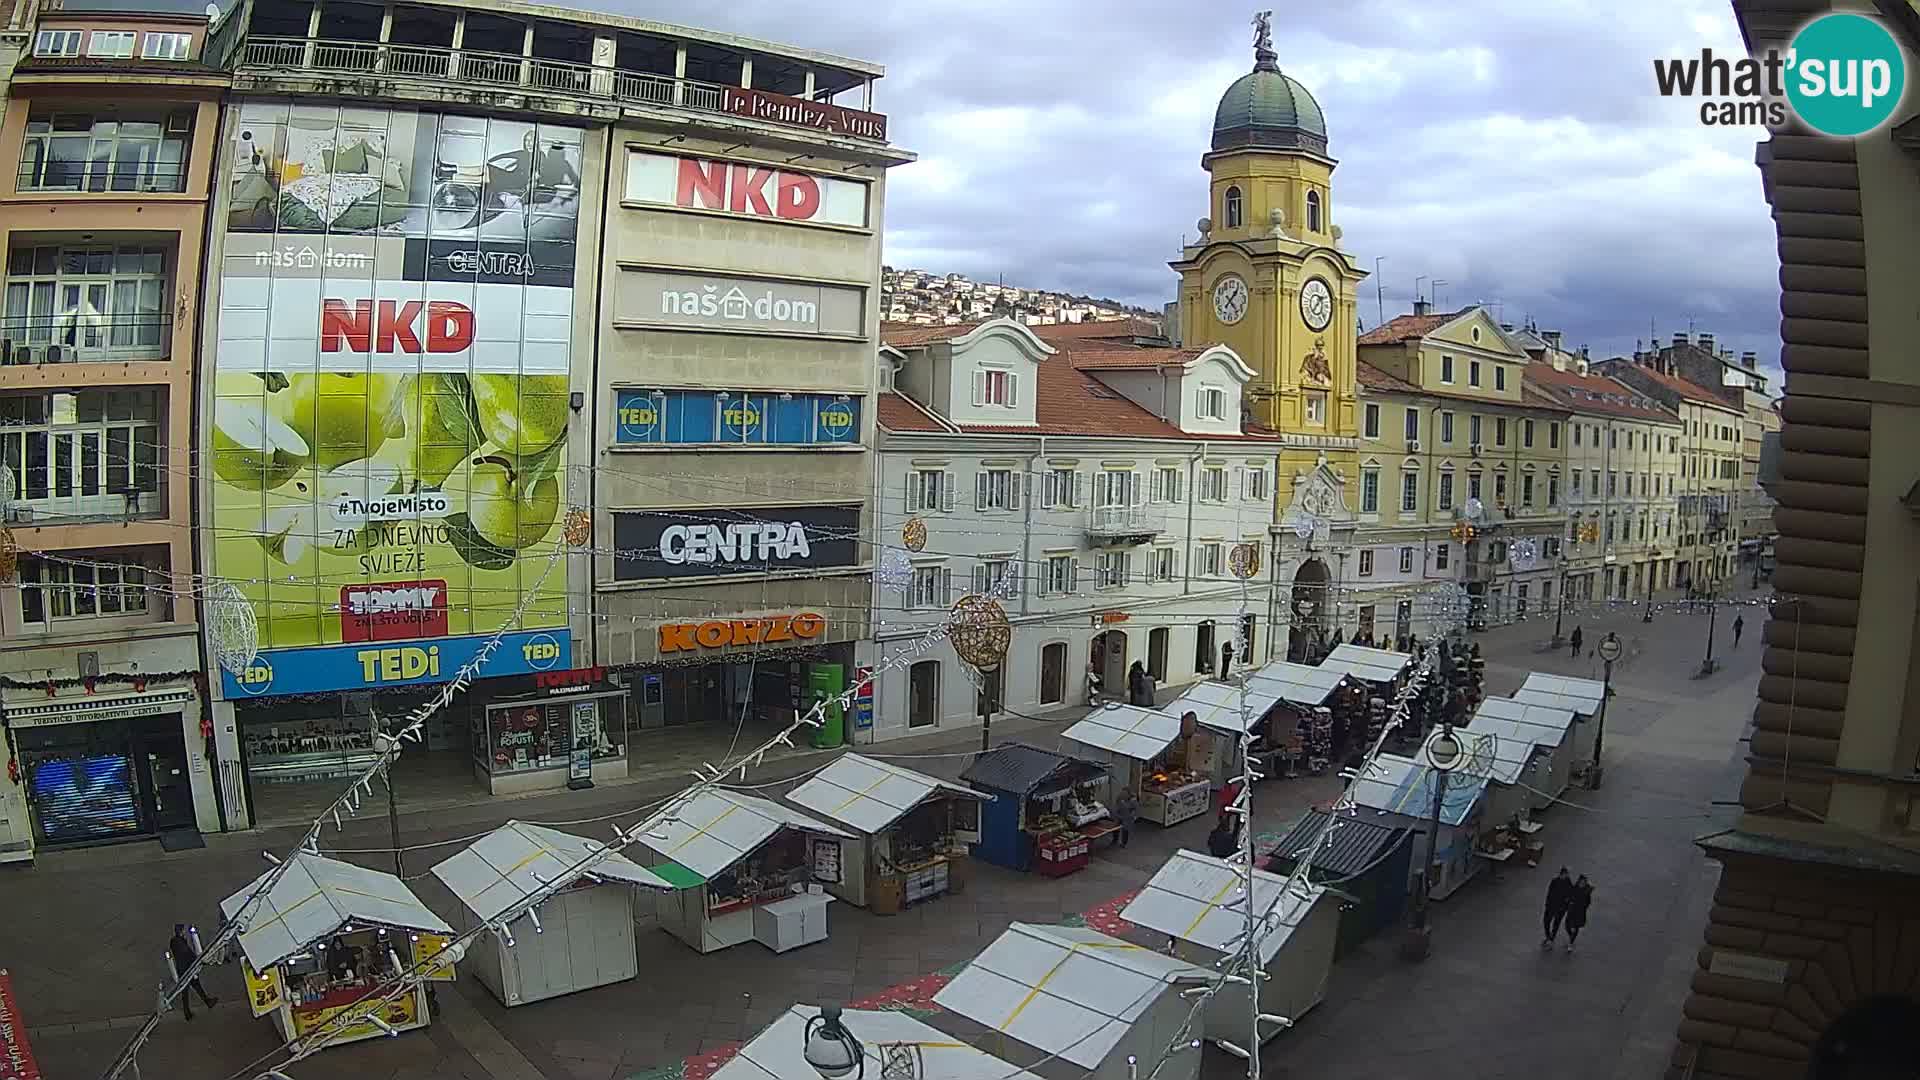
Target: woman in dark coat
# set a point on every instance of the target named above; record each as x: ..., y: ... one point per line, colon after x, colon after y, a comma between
x: 1577, y: 909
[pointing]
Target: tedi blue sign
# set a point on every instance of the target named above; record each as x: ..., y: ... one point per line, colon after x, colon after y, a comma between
x: 376, y: 665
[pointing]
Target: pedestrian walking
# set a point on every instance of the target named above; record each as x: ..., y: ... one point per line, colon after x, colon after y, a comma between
x: 1577, y: 909
x: 183, y: 952
x: 1739, y: 624
x: 1559, y: 896
x: 1575, y: 641
x: 1093, y: 686
x: 1224, y: 840
x: 1226, y: 659
x: 1126, y: 809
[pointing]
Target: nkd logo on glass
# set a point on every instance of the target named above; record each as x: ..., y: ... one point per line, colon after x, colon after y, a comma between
x: 706, y: 542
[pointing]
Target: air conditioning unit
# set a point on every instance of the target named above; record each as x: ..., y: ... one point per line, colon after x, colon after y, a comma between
x: 1413, y: 446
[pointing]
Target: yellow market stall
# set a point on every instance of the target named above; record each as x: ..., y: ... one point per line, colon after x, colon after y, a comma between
x: 331, y: 938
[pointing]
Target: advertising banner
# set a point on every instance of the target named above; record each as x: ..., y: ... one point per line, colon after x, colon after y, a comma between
x: 735, y: 418
x: 391, y: 391
x: 748, y: 189
x: 705, y: 541
x: 742, y: 305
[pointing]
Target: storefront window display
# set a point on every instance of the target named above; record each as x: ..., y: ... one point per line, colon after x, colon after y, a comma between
x: 574, y: 738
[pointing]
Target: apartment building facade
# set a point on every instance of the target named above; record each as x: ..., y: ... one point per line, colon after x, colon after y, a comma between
x: 540, y: 334
x: 1707, y: 493
x: 1097, y: 490
x: 1622, y: 480
x: 1740, y: 382
x: 111, y: 120
x: 1472, y: 455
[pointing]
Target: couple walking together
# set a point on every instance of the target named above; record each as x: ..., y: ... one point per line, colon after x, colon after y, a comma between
x: 1567, y: 902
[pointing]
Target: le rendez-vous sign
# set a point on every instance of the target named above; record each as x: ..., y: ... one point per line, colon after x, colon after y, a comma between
x: 799, y: 112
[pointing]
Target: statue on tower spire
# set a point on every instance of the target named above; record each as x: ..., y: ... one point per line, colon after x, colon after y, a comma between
x: 1264, y: 58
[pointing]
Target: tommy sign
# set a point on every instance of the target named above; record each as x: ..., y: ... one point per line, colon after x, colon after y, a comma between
x: 745, y: 189
x: 698, y: 543
x: 657, y: 298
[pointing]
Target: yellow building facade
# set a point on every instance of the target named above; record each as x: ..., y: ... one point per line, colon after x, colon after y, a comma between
x: 1267, y: 278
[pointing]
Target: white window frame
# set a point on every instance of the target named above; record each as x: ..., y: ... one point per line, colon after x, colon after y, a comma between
x: 997, y: 488
x: 1213, y: 484
x: 110, y: 463
x: 106, y: 148
x: 1410, y: 423
x: 1370, y: 419
x: 1315, y: 407
x: 1062, y: 489
x: 166, y: 46
x: 1499, y: 431
x: 1165, y: 565
x: 1442, y: 556
x: 126, y: 284
x: 1526, y: 489
x: 108, y: 588
x: 1499, y: 376
x: 1253, y: 481
x: 1366, y: 562
x: 1112, y: 569
x: 996, y: 388
x: 1406, y: 560
x: 1211, y: 563
x: 1062, y: 576
x: 1446, y: 369
x: 1409, y: 491
x: 112, y: 44
x: 1474, y: 430
x: 929, y: 490
x: 1473, y: 373
x: 930, y: 588
x: 1212, y: 404
x: 58, y: 43
x: 1370, y: 491
x: 1166, y: 483
x: 995, y: 575
x: 1445, y: 496
x: 1446, y: 428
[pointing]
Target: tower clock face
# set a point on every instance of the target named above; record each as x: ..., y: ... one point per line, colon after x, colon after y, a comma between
x: 1316, y: 304
x: 1230, y: 299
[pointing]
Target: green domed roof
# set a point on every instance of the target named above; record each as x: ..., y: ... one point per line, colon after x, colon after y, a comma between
x: 1266, y: 108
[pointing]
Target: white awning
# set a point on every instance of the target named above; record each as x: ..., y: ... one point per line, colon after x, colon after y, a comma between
x: 518, y: 859
x: 1361, y: 662
x: 1189, y: 898
x: 718, y: 828
x: 1299, y: 684
x: 1218, y: 705
x: 1128, y: 730
x: 1563, y: 692
x: 314, y: 898
x: 779, y: 1051
x: 869, y: 795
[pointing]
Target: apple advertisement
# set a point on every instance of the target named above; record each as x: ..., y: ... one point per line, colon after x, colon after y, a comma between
x: 388, y: 438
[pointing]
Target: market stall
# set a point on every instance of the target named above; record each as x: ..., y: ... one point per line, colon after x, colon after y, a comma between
x: 1510, y: 765
x: 1150, y: 755
x: 1582, y: 697
x: 779, y: 1051
x: 1095, y: 1006
x: 1382, y: 667
x: 1547, y: 727
x: 910, y: 830
x: 1222, y: 712
x: 1047, y: 809
x: 743, y: 869
x: 332, y: 938
x: 584, y: 934
x: 1308, y: 693
x: 1398, y: 792
x: 1369, y: 861
x: 1195, y: 900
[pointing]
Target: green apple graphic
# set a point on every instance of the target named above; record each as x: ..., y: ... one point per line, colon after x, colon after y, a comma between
x: 252, y: 448
x: 509, y: 508
x: 343, y: 416
x: 524, y: 414
x: 304, y: 525
x: 438, y: 409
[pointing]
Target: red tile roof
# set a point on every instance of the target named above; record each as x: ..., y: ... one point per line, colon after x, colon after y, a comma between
x: 1374, y: 379
x: 1402, y: 327
x: 907, y: 335
x: 1102, y: 356
x: 1129, y: 327
x: 1686, y: 388
x: 1592, y: 393
x: 901, y: 413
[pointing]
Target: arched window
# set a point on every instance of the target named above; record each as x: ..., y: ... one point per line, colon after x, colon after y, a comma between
x: 1231, y: 209
x: 1313, y: 211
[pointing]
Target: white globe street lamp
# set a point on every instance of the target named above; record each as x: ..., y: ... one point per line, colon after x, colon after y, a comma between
x: 831, y: 1049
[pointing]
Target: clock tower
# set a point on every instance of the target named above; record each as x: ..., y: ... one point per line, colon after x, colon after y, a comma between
x: 1267, y: 276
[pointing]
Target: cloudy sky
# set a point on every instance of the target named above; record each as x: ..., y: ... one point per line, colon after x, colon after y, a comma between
x: 1515, y: 149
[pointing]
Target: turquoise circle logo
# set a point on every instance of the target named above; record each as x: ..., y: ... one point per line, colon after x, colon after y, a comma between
x: 1846, y: 74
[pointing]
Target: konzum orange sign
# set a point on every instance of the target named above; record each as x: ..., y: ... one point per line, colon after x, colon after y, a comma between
x: 721, y: 633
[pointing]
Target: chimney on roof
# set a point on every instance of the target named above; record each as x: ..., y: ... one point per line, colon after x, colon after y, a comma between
x: 1679, y: 340
x: 1422, y: 307
x: 1706, y: 343
x: 1749, y: 360
x: 1553, y: 338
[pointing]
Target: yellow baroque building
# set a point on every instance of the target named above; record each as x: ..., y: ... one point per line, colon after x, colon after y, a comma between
x: 1267, y: 278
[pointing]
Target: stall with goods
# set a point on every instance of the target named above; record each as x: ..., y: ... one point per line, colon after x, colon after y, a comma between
x: 911, y: 831
x: 1398, y: 792
x: 1223, y: 711
x: 1152, y: 755
x: 1047, y: 808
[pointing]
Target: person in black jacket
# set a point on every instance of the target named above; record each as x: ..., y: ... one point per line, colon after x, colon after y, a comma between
x: 1577, y: 909
x: 1224, y: 840
x: 182, y: 952
x: 1574, y: 641
x: 1559, y: 895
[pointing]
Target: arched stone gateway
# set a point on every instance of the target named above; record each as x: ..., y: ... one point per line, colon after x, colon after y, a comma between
x: 1309, y: 609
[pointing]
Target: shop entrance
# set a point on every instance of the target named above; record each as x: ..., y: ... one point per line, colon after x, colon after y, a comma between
x: 108, y: 780
x: 1108, y: 655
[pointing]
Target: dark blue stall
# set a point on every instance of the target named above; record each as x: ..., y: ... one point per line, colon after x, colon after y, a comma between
x: 1013, y: 773
x: 1365, y: 861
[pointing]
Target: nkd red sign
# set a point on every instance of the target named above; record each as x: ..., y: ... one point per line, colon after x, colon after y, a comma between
x: 747, y: 189
x: 408, y: 326
x: 799, y: 112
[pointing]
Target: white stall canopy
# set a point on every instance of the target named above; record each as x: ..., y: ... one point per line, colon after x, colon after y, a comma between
x: 717, y: 828
x: 1370, y: 665
x: 1127, y: 730
x: 1398, y: 785
x: 870, y: 796
x: 1065, y: 991
x: 1194, y: 898
x: 314, y: 899
x: 1542, y: 725
x: 517, y: 859
x: 1298, y: 684
x: 779, y: 1051
x: 1582, y: 696
x: 1218, y: 705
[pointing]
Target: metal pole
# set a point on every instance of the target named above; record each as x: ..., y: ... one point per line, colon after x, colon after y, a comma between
x: 1600, y: 722
x: 393, y: 821
x: 1713, y: 614
x: 1560, y: 608
x: 1648, y: 615
x: 1433, y: 841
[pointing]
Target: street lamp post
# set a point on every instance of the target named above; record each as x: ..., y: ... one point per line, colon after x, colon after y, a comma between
x: 831, y: 1049
x: 1560, y: 608
x: 1443, y: 754
x: 1709, y: 664
x: 1609, y: 649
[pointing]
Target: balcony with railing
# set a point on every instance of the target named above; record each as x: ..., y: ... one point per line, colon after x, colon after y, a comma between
x: 69, y: 302
x: 75, y: 457
x: 81, y: 339
x: 430, y: 67
x: 1124, y: 524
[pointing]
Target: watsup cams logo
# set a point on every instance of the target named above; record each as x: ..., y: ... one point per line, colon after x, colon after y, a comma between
x: 1843, y: 75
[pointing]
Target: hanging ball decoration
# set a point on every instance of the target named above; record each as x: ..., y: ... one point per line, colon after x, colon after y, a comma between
x: 578, y: 527
x: 1243, y: 561
x: 914, y: 534
x: 978, y: 628
x: 232, y: 627
x: 895, y: 571
x: 9, y: 556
